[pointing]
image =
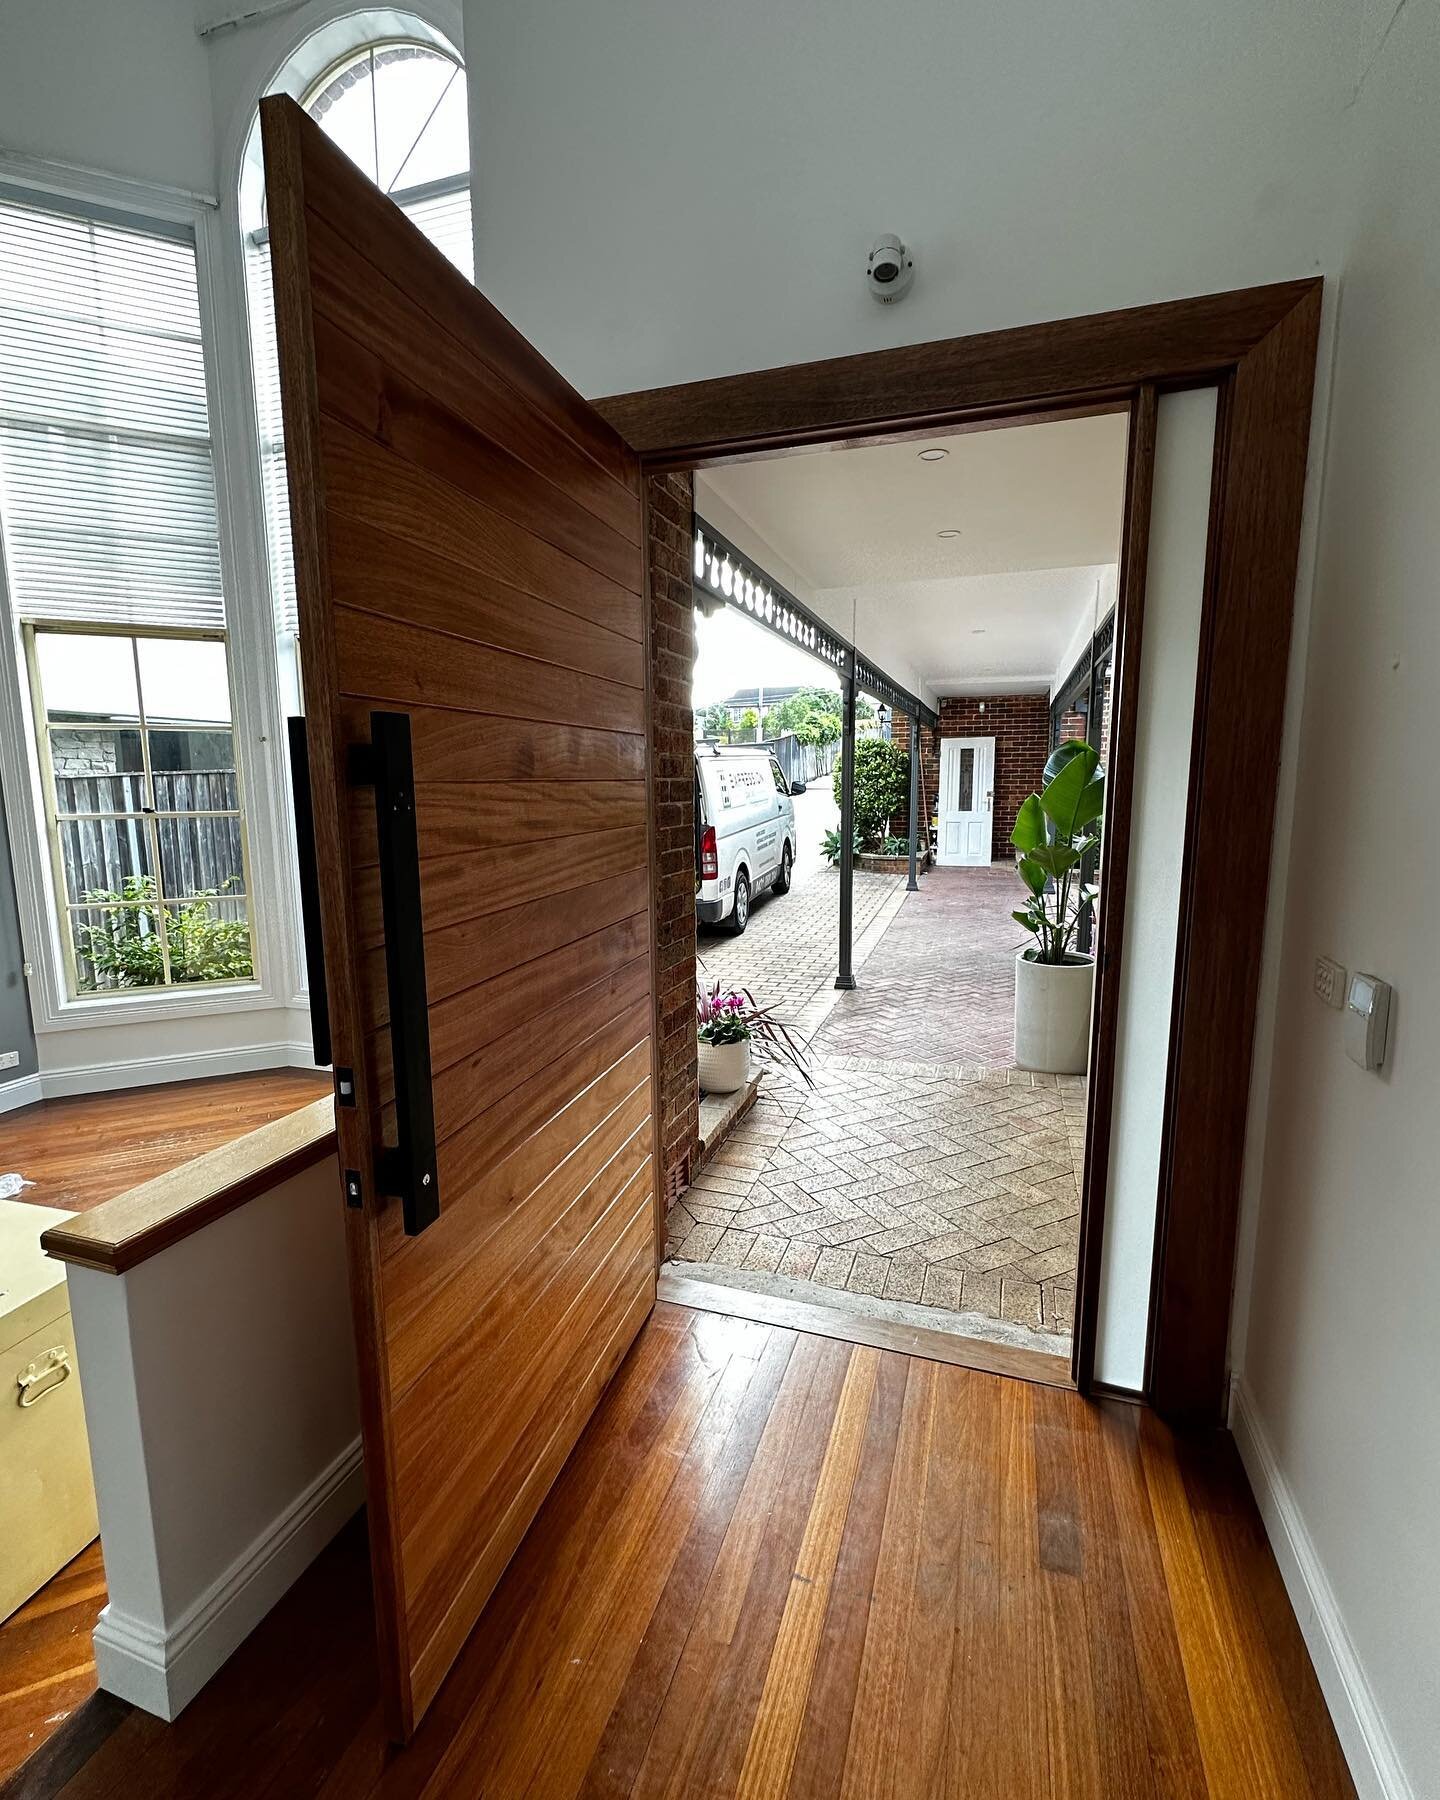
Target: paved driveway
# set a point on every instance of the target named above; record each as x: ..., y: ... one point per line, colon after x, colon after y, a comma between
x: 926, y: 1172
x: 787, y: 956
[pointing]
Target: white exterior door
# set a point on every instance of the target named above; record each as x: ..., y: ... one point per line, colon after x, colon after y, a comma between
x: 967, y: 799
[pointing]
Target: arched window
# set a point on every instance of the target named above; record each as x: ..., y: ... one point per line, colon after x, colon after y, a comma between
x: 398, y: 111
x: 396, y: 105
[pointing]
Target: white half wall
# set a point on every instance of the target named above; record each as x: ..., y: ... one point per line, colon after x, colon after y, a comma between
x: 1170, y: 644
x: 223, y: 1417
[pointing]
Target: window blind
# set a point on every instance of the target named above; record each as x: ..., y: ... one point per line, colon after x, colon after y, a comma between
x: 107, y: 485
x: 444, y: 217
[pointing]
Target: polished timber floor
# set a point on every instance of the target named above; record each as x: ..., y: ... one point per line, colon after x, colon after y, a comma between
x: 787, y: 1565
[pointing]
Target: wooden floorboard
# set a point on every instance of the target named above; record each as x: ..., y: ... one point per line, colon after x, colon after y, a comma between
x: 79, y: 1152
x: 87, y: 1148
x: 784, y: 1565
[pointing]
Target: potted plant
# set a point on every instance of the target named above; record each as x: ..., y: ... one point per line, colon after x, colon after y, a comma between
x: 1054, y: 982
x: 730, y: 1026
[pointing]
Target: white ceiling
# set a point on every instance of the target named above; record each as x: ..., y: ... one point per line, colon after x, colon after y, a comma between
x: 981, y: 634
x: 1038, y: 510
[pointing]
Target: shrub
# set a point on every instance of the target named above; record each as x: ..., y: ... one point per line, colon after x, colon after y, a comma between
x: 125, y: 945
x: 882, y: 786
x: 830, y: 845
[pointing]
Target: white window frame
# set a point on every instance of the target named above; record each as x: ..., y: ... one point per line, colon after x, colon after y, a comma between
x: 255, y: 705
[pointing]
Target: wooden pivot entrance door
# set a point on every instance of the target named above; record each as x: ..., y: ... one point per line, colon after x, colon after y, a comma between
x: 468, y: 554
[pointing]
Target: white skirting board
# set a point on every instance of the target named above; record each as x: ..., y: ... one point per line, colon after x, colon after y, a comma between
x: 1374, y: 1765
x: 25, y: 1090
x: 162, y: 1673
x: 189, y: 1065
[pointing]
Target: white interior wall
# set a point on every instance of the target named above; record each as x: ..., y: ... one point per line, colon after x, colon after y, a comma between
x: 666, y: 190
x: 122, y: 87
x: 1340, y: 1338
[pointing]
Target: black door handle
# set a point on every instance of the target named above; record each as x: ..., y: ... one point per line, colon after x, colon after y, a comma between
x: 309, y: 891
x: 408, y: 1170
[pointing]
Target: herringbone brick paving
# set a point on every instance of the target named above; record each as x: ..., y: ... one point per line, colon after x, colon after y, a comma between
x: 924, y: 1168
x: 940, y: 986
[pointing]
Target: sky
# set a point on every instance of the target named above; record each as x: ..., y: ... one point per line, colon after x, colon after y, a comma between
x: 733, y: 652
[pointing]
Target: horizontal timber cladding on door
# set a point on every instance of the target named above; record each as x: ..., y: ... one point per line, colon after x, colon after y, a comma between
x: 477, y: 564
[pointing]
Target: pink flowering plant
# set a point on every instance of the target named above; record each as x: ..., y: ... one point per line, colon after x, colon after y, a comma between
x: 729, y: 1016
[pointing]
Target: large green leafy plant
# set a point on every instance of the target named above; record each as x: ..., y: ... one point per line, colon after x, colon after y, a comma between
x: 1054, y: 832
x: 124, y: 948
x: 882, y: 786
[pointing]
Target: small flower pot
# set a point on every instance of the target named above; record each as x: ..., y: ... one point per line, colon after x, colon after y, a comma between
x: 1052, y: 1014
x: 724, y: 1068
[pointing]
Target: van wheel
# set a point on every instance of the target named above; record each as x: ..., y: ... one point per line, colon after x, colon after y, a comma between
x: 782, y: 880
x: 740, y: 917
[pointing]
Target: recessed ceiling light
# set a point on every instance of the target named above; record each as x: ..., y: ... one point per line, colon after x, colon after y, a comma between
x: 934, y: 454
x: 947, y: 534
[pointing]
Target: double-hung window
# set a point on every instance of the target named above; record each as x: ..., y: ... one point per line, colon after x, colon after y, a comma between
x: 113, y: 574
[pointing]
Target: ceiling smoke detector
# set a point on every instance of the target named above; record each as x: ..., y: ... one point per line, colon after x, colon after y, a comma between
x: 889, y: 270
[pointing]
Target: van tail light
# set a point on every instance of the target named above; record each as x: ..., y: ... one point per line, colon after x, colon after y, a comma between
x: 709, y: 859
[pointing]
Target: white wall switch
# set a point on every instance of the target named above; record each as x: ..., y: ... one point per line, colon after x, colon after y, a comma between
x: 1367, y: 1020
x: 1330, y: 981
x: 9, y: 1059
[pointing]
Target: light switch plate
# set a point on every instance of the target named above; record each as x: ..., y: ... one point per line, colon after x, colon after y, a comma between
x: 1330, y: 981
x: 1367, y: 1020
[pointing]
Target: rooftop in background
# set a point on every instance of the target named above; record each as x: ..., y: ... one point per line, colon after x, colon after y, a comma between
x: 744, y: 698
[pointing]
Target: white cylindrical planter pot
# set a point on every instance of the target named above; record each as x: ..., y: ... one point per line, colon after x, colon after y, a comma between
x: 1052, y: 1014
x: 724, y: 1068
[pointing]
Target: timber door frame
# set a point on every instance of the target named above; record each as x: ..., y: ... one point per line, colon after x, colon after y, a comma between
x: 1257, y: 346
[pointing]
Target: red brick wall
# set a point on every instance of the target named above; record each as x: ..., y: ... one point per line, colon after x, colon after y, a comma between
x: 1020, y: 726
x: 929, y: 773
x: 672, y: 661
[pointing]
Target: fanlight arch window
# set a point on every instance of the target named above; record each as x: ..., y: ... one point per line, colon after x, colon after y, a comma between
x: 397, y: 106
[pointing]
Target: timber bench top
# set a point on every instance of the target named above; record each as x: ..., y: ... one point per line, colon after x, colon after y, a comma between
x: 116, y: 1234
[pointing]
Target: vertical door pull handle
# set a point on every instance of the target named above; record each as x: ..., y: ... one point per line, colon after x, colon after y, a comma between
x: 309, y: 891
x: 408, y: 1170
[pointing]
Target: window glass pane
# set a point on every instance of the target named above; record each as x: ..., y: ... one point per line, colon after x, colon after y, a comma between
x: 209, y: 940
x: 345, y: 107
x: 116, y: 947
x: 96, y: 770
x: 188, y: 748
x: 410, y: 84
x: 109, y: 489
x: 87, y: 677
x: 200, y: 856
x: 106, y: 859
x: 183, y: 679
x: 443, y: 146
x: 966, y: 802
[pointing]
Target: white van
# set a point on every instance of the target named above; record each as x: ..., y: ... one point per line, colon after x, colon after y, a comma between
x: 744, y: 831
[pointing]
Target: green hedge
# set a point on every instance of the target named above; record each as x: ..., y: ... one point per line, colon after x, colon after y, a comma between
x: 882, y: 786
